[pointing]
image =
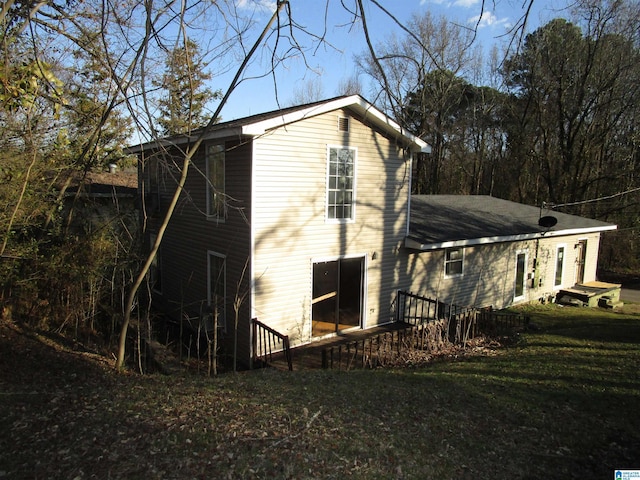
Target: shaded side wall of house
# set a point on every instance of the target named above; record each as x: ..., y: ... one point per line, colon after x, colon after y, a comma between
x: 289, y: 218
x: 191, y: 236
x: 489, y: 274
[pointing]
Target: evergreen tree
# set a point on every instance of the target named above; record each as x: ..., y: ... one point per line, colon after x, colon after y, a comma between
x: 184, y: 80
x: 97, y: 130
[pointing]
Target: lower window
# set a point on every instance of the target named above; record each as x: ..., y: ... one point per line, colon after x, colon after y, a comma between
x: 453, y: 262
x: 521, y: 275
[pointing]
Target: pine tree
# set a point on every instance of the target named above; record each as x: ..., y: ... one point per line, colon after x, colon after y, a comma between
x: 184, y: 80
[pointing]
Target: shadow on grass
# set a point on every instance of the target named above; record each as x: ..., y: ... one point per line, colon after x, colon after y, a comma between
x: 562, y: 403
x: 586, y: 323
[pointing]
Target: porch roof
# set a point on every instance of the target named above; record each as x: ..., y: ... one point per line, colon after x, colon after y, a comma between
x: 444, y: 221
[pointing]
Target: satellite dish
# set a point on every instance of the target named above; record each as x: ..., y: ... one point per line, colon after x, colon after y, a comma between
x: 547, y: 221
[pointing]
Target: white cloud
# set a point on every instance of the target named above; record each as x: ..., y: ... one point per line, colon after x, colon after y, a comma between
x: 450, y: 3
x: 488, y: 19
x: 466, y: 3
x: 268, y: 5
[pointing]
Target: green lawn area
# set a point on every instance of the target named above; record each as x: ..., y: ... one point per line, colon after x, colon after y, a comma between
x: 562, y: 402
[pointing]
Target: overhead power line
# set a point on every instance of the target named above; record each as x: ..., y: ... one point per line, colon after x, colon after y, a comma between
x: 552, y: 206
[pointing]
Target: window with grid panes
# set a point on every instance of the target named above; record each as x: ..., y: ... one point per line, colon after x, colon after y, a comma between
x: 341, y: 183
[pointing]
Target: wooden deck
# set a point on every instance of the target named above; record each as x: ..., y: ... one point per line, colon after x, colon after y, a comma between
x: 309, y: 356
x: 422, y: 324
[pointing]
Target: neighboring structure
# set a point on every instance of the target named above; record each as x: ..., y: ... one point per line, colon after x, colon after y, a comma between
x: 94, y: 200
x: 300, y: 218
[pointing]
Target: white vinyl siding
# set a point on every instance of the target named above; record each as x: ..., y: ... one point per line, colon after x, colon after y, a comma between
x: 290, y: 225
x: 489, y: 272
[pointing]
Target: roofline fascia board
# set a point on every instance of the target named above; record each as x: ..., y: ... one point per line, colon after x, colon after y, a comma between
x: 355, y: 102
x: 262, y: 126
x: 183, y: 140
x: 415, y: 245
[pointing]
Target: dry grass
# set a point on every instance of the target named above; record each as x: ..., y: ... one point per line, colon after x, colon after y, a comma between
x: 561, y: 403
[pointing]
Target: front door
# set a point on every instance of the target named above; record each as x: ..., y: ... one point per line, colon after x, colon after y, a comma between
x: 337, y: 295
x: 581, y: 260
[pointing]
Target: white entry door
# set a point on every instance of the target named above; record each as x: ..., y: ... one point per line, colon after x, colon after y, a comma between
x: 521, y: 275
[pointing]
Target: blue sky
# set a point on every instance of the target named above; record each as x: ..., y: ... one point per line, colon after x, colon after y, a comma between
x: 331, y: 63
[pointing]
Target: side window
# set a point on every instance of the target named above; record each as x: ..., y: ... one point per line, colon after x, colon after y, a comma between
x: 559, y: 265
x: 341, y: 163
x: 216, y: 203
x: 453, y: 262
x: 216, y: 299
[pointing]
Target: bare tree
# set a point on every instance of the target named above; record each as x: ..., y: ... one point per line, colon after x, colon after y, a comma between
x: 308, y: 91
x: 350, y: 86
x: 125, y: 40
x: 420, y: 81
x: 183, y: 177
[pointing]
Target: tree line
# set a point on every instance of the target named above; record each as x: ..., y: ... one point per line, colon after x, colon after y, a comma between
x: 555, y: 126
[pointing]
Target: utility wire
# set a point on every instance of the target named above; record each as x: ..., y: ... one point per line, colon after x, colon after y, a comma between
x: 552, y: 206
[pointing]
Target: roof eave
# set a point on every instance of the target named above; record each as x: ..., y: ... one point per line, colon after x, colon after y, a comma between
x: 425, y: 247
x: 181, y: 140
x: 259, y: 127
x: 353, y: 102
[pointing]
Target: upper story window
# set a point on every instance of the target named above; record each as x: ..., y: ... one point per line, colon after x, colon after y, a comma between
x: 341, y: 183
x: 216, y: 199
x: 453, y: 262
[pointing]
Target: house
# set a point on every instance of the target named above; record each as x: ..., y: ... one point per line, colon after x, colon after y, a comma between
x: 300, y: 218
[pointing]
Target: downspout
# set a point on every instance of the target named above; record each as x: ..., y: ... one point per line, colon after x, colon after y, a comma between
x: 411, y: 154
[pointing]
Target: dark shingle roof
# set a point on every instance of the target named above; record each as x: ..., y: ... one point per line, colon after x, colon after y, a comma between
x: 439, y: 221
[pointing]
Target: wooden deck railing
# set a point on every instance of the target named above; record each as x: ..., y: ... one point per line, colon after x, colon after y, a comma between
x: 416, y: 309
x: 451, y: 323
x: 432, y: 325
x: 373, y: 351
x: 267, y: 342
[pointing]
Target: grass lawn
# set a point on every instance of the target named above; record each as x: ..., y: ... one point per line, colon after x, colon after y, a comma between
x: 562, y: 402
